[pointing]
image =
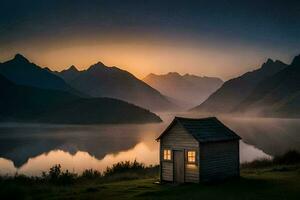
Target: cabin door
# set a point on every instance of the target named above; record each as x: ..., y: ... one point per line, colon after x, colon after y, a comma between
x: 178, y: 166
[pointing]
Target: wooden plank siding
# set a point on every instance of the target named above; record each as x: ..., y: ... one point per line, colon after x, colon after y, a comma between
x: 167, y: 171
x: 219, y: 160
x: 192, y: 173
x: 178, y: 139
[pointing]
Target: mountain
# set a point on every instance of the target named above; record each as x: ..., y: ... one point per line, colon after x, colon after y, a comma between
x: 20, y: 71
x: 277, y: 95
x: 102, y: 81
x: 188, y: 89
x: 236, y: 90
x: 98, y: 110
x: 68, y: 74
x: 30, y: 104
x: 25, y: 102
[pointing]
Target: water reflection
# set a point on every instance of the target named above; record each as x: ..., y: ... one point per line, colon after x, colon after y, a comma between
x: 82, y: 160
x: 21, y: 143
x: 32, y: 149
x: 79, y: 161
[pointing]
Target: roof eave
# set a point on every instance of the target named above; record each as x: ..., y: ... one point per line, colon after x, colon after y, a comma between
x: 224, y: 140
x: 176, y: 119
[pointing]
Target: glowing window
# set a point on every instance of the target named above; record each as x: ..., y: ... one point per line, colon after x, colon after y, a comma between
x: 167, y: 154
x: 191, y: 156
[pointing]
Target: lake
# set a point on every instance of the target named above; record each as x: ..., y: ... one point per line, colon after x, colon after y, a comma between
x: 32, y: 148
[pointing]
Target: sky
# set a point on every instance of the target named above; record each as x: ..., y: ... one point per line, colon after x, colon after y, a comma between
x: 222, y: 38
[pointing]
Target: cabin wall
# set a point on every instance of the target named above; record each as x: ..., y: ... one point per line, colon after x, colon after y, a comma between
x: 219, y: 160
x: 178, y: 139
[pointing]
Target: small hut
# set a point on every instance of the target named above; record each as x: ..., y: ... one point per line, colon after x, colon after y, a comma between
x: 194, y: 150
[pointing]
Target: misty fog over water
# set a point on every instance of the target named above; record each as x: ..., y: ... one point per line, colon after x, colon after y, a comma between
x: 31, y: 149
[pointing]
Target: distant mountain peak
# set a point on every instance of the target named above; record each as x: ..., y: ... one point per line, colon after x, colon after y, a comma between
x: 296, y: 60
x: 22, y: 71
x: 187, y: 75
x: 268, y: 62
x: 169, y: 74
x: 174, y: 73
x: 73, y: 68
x: 21, y: 58
x: 98, y: 65
x: 47, y: 69
x: 234, y: 91
x: 186, y: 90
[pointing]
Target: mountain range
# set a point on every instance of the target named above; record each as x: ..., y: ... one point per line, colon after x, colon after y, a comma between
x: 100, y: 80
x: 21, y: 71
x: 187, y: 90
x: 271, y: 90
x: 29, y: 104
x: 277, y: 95
x: 30, y: 93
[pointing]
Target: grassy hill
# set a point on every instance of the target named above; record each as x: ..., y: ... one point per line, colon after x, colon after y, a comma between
x: 265, y: 183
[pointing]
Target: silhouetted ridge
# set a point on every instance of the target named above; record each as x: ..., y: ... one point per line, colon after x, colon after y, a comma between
x: 296, y: 61
x: 100, y: 80
x: 176, y: 74
x: 68, y: 74
x: 277, y: 95
x: 21, y: 71
x: 236, y: 90
x: 20, y: 58
x: 73, y: 68
x: 97, y: 66
x: 269, y: 62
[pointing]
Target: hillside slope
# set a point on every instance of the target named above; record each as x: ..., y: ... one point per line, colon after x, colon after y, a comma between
x: 236, y: 90
x: 278, y: 95
x: 30, y: 104
x: 102, y: 81
x: 21, y: 71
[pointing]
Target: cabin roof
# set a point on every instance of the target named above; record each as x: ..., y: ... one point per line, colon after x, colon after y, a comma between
x: 204, y: 130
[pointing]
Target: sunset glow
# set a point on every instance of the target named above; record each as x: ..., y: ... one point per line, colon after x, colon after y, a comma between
x: 175, y: 37
x: 149, y: 99
x: 143, y: 57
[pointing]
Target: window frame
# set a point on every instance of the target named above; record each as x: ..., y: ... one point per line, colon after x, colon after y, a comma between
x: 168, y: 155
x: 187, y: 157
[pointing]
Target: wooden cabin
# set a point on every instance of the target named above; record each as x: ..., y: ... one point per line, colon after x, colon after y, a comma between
x: 194, y: 150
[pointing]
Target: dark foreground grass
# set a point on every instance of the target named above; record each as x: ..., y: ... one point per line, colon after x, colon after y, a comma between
x: 277, y: 181
x: 264, y: 183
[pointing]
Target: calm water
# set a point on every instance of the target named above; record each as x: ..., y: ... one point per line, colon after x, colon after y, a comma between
x: 31, y: 149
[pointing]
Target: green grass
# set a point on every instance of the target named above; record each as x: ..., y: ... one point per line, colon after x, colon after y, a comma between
x: 277, y: 178
x: 276, y: 182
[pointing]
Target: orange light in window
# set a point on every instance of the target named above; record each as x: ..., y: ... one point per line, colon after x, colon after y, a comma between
x: 167, y: 154
x: 191, y: 156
